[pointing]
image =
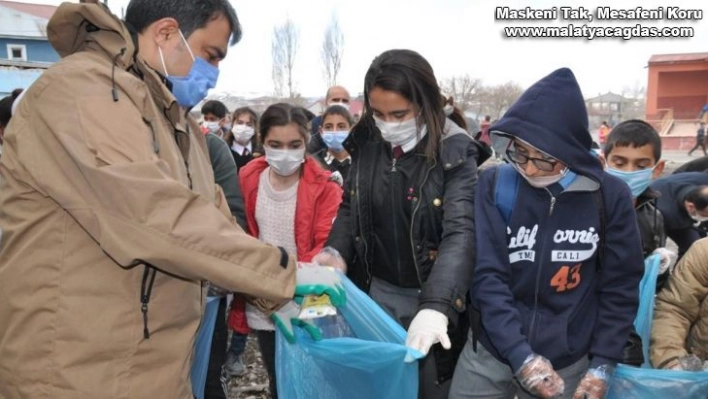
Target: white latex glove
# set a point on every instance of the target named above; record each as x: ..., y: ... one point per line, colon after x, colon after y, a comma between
x: 330, y: 257
x: 427, y: 329
x: 668, y: 259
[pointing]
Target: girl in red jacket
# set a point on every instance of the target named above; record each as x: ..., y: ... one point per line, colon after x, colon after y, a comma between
x: 290, y: 202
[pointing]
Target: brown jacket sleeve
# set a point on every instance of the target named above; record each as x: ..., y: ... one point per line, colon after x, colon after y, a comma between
x: 95, y: 158
x: 678, y: 305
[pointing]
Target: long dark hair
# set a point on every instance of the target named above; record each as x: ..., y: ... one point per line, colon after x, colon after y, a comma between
x: 283, y: 114
x: 229, y: 136
x: 411, y: 76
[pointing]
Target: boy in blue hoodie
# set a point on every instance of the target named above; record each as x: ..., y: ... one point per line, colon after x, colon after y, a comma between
x: 556, y: 278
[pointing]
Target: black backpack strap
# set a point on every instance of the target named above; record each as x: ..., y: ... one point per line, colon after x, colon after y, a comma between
x: 600, y: 202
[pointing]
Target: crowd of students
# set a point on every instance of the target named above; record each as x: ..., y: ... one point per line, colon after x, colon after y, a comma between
x: 522, y: 279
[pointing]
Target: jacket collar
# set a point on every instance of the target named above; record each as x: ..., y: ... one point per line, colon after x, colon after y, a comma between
x: 649, y: 195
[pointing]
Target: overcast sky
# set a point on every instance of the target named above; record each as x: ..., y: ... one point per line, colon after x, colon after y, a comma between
x: 456, y: 36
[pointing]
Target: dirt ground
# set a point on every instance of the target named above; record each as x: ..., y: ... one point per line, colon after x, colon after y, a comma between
x: 254, y: 383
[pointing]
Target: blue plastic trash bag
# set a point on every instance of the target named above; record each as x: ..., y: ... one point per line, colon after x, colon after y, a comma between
x: 202, y: 347
x: 642, y: 383
x: 645, y: 313
x: 364, y: 360
x: 647, y: 383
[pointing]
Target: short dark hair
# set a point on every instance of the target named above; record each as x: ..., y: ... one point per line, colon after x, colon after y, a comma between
x: 216, y: 108
x: 6, y: 107
x: 282, y: 114
x: 634, y: 133
x: 337, y: 110
x: 697, y: 198
x: 190, y: 14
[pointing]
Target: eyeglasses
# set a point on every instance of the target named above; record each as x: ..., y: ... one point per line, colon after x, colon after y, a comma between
x: 522, y: 159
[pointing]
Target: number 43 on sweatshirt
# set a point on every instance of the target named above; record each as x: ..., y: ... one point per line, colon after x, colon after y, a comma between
x: 567, y: 278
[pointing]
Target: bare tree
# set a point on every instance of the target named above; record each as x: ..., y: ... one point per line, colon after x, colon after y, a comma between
x: 634, y: 102
x: 278, y: 68
x: 464, y: 89
x: 284, y: 47
x: 332, y: 51
x: 499, y: 98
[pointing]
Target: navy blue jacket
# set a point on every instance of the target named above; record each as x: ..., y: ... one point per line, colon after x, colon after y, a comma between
x: 677, y: 222
x: 539, y: 283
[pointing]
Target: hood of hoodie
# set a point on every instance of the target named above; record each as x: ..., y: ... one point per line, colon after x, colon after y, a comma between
x: 81, y: 27
x: 551, y: 116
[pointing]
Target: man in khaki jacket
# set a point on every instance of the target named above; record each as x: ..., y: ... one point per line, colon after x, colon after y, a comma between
x: 107, y: 208
x: 679, y: 334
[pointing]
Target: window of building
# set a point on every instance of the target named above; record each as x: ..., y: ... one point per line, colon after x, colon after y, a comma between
x: 17, y: 52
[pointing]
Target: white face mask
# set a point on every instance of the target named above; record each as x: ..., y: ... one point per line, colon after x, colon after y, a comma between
x: 211, y: 127
x: 285, y: 162
x: 243, y: 133
x: 540, y: 181
x: 404, y: 134
x: 698, y: 218
x: 343, y: 105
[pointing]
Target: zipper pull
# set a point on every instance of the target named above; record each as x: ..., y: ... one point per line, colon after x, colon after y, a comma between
x: 393, y: 165
x: 553, y: 205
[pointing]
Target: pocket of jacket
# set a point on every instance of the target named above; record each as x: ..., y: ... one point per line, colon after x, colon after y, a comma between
x: 115, y: 131
x: 581, y: 324
x: 551, y: 336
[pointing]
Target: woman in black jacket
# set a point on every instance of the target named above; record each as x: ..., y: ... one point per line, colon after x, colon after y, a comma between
x: 405, y: 229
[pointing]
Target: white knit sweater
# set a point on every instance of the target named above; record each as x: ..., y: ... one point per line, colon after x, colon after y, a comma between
x: 275, y: 217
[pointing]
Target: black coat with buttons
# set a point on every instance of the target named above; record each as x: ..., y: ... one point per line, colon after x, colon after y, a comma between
x: 410, y: 222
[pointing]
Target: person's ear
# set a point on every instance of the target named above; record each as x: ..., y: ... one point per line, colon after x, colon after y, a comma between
x: 690, y: 208
x: 658, y: 170
x: 164, y: 30
x: 602, y: 160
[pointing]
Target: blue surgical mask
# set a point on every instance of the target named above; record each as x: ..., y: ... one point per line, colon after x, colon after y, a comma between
x: 638, y: 181
x: 335, y: 140
x: 191, y: 89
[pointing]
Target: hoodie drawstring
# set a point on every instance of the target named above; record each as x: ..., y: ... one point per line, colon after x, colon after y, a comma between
x: 145, y: 292
x: 91, y: 28
x: 114, y: 91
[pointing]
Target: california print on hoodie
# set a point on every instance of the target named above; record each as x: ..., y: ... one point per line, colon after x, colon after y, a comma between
x: 539, y: 283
